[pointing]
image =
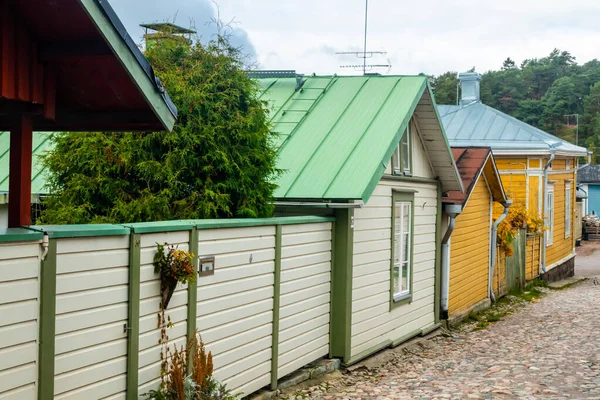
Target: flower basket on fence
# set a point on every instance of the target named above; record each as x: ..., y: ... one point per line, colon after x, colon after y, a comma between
x: 174, y: 266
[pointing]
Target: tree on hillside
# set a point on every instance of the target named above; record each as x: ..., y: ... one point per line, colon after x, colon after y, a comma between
x: 218, y: 161
x: 445, y: 87
x: 560, y: 100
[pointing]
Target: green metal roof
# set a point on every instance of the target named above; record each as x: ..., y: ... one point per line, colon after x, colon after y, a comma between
x: 41, y: 143
x: 337, y: 133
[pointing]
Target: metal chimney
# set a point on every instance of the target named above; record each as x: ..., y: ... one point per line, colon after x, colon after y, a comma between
x: 470, y: 84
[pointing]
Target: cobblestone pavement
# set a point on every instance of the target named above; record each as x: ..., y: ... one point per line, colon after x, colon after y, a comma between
x: 548, y: 349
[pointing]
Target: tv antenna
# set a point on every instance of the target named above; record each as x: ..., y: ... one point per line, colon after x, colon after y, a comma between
x: 364, y: 54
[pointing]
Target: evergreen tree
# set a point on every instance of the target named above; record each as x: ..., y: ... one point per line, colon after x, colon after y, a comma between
x: 218, y: 161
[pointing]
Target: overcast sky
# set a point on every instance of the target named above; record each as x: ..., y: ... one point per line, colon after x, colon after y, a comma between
x: 431, y: 36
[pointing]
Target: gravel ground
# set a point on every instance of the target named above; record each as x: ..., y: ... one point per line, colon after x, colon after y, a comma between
x: 587, y: 262
x: 548, y: 349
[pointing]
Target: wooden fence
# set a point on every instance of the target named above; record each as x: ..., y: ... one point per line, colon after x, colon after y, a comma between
x: 82, y: 323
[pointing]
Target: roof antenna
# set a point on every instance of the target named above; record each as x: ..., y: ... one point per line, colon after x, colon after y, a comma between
x: 365, y: 54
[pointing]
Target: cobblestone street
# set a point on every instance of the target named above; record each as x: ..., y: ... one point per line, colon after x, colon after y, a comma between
x: 548, y: 349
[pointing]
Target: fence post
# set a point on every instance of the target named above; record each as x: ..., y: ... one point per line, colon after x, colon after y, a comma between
x: 47, y: 324
x: 341, y: 286
x: 192, y: 301
x: 276, y: 300
x: 133, y: 319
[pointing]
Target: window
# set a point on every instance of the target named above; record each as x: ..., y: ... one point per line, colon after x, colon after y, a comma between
x: 568, y: 210
x: 401, y: 159
x: 550, y: 213
x: 402, y: 229
x: 568, y: 163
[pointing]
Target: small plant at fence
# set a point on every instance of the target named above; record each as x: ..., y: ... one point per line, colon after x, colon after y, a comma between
x: 186, y: 373
x: 174, y: 266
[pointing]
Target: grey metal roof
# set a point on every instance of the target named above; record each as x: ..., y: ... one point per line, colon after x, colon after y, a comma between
x: 588, y: 174
x: 476, y: 124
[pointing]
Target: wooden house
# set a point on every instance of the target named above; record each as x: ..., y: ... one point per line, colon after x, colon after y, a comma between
x: 371, y: 151
x: 473, y: 240
x: 537, y: 169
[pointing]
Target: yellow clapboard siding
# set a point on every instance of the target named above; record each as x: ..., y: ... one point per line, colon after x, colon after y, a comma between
x: 511, y: 164
x: 469, y: 254
x: 534, y: 194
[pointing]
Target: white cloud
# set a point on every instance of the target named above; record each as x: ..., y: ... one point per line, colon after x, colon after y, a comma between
x: 431, y: 37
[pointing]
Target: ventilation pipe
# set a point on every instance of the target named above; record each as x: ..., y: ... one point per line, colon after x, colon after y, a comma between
x: 452, y: 210
x: 470, y: 83
x: 506, y: 205
x: 552, y: 155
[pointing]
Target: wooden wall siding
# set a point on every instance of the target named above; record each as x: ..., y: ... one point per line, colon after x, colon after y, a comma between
x: 534, y: 203
x: 372, y: 320
x: 149, y: 349
x: 515, y: 186
x: 561, y: 247
x: 469, y: 252
x: 420, y: 158
x: 235, y: 305
x: 305, y: 295
x: 532, y: 260
x: 91, y: 309
x: 19, y: 308
x: 499, y: 281
x: 510, y: 164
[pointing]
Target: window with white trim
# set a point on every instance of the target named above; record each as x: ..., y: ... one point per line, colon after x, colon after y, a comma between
x: 568, y: 163
x: 402, y: 242
x: 568, y: 210
x: 550, y: 213
x: 401, y: 160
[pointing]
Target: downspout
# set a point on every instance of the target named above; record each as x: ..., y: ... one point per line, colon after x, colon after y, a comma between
x: 452, y: 210
x: 506, y: 205
x: 552, y: 155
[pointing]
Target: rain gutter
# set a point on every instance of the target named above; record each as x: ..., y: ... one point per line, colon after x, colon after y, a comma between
x: 315, y: 204
x: 452, y: 210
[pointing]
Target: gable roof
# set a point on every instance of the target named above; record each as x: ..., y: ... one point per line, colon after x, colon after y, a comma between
x: 337, y: 133
x: 472, y: 162
x: 476, y: 124
x: 83, y: 67
x: 41, y: 143
x: 588, y: 174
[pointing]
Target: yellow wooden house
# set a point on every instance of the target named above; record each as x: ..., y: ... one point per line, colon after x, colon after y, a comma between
x: 471, y: 238
x: 537, y: 169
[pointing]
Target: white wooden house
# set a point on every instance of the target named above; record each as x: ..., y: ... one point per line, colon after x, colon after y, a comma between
x: 370, y: 150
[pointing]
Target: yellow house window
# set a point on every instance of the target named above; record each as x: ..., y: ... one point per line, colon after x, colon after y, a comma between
x: 550, y: 213
x: 568, y: 209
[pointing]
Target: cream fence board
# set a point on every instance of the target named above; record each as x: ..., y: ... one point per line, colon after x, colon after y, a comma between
x: 305, y: 295
x: 91, y: 309
x: 176, y: 312
x: 373, y: 320
x: 235, y: 305
x: 19, y: 308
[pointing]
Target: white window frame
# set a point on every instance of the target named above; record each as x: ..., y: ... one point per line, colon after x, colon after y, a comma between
x: 550, y: 213
x: 398, y: 158
x: 568, y: 211
x: 568, y: 163
x: 402, y: 238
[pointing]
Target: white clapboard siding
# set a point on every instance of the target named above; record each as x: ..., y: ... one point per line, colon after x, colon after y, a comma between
x: 373, y: 320
x: 235, y: 305
x: 19, y: 309
x: 92, y: 276
x: 149, y: 348
x: 305, y: 295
